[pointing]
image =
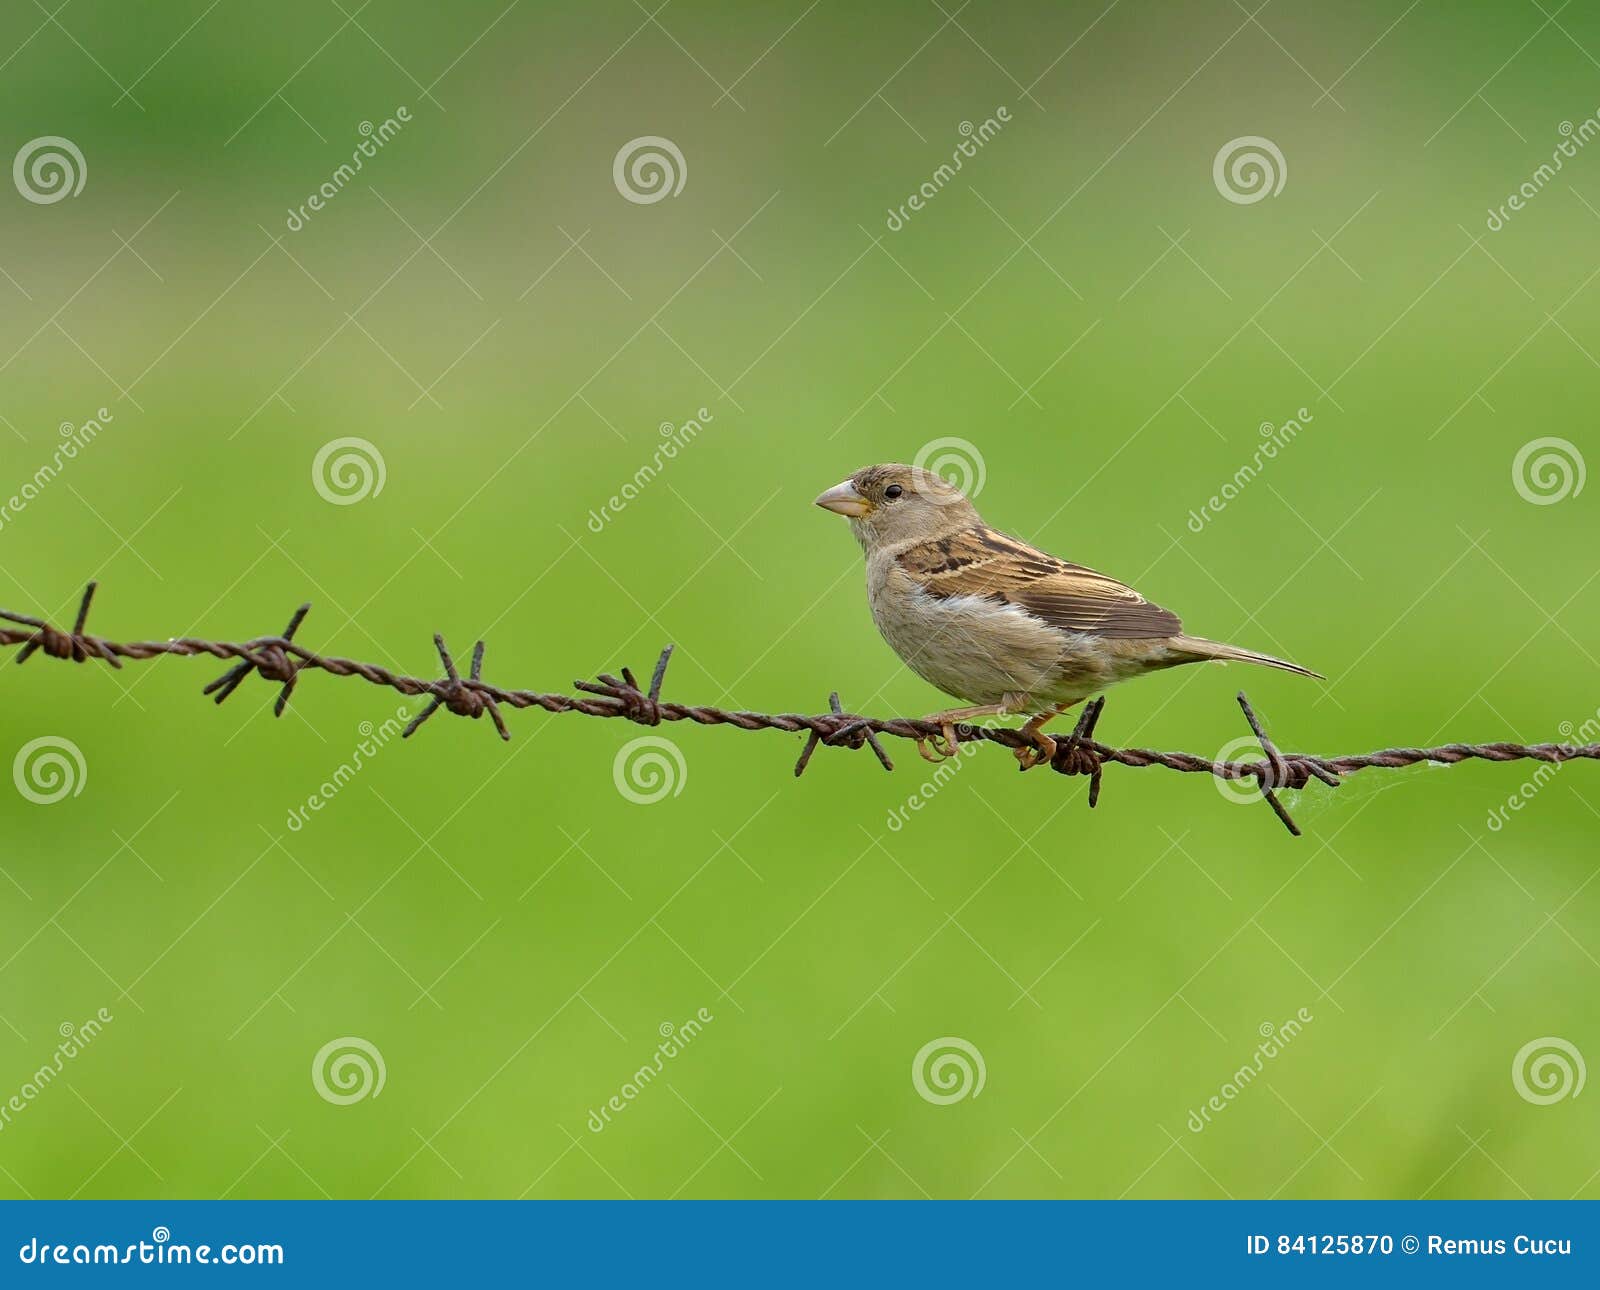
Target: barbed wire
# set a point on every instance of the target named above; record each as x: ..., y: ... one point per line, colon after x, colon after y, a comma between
x: 281, y: 660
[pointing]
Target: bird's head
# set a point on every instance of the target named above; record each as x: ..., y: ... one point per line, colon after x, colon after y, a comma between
x: 891, y: 504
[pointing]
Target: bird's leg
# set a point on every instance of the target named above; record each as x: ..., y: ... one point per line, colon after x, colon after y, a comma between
x: 1043, y: 747
x: 947, y: 719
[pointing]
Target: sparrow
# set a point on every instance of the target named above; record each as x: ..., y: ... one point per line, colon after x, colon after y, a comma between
x: 991, y: 620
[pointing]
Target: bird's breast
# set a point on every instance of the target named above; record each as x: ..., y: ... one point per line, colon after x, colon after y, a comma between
x: 974, y: 647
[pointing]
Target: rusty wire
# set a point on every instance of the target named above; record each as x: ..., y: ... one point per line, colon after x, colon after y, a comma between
x: 281, y: 660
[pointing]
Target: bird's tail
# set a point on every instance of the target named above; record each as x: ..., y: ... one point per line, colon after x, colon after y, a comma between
x: 1201, y: 649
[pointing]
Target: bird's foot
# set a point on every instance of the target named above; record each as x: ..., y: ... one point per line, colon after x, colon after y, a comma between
x: 946, y: 744
x: 940, y: 747
x: 1041, y: 750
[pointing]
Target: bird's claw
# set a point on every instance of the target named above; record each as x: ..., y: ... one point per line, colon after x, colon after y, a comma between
x: 1037, y: 753
x: 940, y: 747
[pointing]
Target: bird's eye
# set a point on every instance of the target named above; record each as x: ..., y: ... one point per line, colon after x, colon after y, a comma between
x: 893, y: 491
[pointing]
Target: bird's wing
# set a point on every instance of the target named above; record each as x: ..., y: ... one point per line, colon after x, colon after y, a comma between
x: 981, y: 562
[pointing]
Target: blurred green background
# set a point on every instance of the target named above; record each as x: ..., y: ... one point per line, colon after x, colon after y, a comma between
x: 1082, y: 306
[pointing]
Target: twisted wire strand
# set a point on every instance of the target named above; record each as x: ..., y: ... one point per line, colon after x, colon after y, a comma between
x: 282, y: 660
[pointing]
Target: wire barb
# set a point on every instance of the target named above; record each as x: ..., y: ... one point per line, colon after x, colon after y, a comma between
x: 635, y: 704
x: 282, y: 660
x: 270, y: 661
x: 1076, y: 755
x: 469, y: 698
x: 849, y: 731
x: 75, y: 645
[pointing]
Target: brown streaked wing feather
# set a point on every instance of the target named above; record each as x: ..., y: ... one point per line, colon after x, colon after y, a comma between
x: 982, y: 562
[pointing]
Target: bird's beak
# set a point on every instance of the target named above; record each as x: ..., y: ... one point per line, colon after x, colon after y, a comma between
x: 843, y: 499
